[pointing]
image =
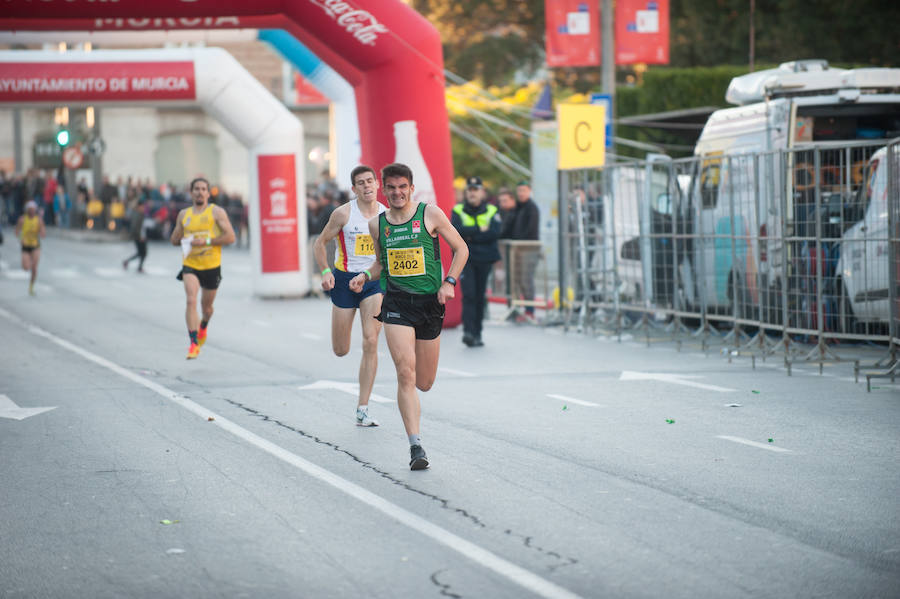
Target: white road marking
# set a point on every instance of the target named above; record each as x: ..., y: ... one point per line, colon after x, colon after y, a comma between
x: 675, y: 379
x: 9, y: 409
x: 349, y: 388
x: 262, y: 323
x: 456, y: 372
x: 516, y: 574
x: 753, y: 443
x: 311, y: 336
x: 381, y: 354
x: 18, y: 273
x: 580, y: 402
x: 109, y: 273
x: 159, y: 271
x: 65, y: 273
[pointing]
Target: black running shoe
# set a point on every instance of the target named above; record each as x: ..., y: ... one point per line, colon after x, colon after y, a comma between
x: 417, y: 458
x: 468, y: 339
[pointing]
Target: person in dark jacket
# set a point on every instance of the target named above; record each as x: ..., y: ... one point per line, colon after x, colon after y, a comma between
x: 479, y: 225
x: 524, y: 226
x: 137, y: 230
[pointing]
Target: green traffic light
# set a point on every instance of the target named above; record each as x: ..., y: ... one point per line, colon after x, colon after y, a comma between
x: 62, y: 137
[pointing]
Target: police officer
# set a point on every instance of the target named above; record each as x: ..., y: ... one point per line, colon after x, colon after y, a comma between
x: 479, y: 225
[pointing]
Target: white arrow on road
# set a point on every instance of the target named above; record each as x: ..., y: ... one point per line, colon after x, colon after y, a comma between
x: 351, y: 388
x: 9, y: 409
x: 675, y: 379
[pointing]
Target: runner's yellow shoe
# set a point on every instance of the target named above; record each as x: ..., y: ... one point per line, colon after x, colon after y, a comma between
x: 193, y: 351
x: 201, y: 337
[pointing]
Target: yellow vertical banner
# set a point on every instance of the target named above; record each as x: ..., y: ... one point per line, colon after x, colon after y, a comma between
x: 582, y: 135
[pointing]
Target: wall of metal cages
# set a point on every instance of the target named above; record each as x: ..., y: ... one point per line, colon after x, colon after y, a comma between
x: 793, y: 251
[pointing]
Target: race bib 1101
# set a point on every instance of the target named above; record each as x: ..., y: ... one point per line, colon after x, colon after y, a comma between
x: 364, y: 245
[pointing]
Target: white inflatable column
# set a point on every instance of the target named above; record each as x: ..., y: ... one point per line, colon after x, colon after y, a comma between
x: 274, y: 138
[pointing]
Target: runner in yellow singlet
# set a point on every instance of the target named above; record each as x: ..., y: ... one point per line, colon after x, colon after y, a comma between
x: 201, y: 230
x: 29, y: 230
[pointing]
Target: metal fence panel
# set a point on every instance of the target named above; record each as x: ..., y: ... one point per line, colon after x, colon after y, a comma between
x: 765, y: 249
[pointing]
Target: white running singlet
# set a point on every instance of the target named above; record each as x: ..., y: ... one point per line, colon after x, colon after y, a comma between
x: 355, y: 251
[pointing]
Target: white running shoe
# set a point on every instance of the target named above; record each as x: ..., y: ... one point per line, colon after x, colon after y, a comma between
x: 363, y: 419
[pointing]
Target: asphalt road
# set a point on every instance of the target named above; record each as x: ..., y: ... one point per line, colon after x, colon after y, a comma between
x: 562, y: 465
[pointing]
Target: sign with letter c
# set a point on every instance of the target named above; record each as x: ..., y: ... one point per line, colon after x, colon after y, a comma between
x: 582, y: 135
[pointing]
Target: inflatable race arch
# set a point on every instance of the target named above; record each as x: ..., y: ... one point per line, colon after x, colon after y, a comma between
x: 212, y: 79
x: 328, y: 82
x: 389, y: 53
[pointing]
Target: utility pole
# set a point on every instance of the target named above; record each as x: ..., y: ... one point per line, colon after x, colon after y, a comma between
x: 608, y: 52
x: 19, y: 163
x: 752, y: 33
x: 97, y: 158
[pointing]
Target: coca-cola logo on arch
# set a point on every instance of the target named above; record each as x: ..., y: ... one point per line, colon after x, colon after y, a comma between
x: 360, y: 23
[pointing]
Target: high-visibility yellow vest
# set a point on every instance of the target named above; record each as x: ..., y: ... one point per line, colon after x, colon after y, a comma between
x: 482, y: 220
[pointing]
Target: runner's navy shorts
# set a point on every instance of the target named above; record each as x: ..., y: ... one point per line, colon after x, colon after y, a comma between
x: 343, y: 297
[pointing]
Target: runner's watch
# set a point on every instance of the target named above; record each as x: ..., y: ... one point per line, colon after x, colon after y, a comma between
x: 451, y: 280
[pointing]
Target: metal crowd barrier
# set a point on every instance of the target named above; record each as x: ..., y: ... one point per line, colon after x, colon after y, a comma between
x: 795, y: 252
x: 520, y: 280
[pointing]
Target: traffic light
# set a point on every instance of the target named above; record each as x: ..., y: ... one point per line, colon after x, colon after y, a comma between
x: 62, y: 137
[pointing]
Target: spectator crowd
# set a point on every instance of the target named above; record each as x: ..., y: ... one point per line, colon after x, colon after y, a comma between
x: 111, y: 206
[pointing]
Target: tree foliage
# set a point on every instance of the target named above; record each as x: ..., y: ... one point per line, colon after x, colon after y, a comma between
x: 710, y: 32
x: 488, y: 39
x: 492, y: 41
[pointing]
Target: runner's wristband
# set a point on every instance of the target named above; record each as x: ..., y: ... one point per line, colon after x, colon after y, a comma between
x: 326, y: 271
x: 368, y: 274
x: 208, y: 241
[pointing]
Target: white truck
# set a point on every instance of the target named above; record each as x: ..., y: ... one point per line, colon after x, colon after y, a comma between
x: 738, y: 195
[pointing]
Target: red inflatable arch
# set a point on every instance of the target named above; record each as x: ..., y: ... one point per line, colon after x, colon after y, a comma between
x: 386, y: 50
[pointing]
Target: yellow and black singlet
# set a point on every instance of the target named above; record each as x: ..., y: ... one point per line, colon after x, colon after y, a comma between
x: 202, y: 226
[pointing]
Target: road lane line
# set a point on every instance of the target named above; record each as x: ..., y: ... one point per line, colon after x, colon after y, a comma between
x: 580, y: 402
x: 456, y: 372
x: 65, y: 273
x: 311, y: 336
x: 677, y: 379
x: 351, y: 388
x: 516, y: 574
x: 753, y: 443
x: 109, y: 273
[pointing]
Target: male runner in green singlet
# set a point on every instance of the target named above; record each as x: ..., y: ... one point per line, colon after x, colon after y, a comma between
x: 408, y: 262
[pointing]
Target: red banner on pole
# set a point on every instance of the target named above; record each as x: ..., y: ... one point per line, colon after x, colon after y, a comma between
x: 642, y: 31
x: 96, y: 81
x: 573, y: 33
x: 279, y: 234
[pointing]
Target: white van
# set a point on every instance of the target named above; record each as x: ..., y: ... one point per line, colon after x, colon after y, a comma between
x: 863, y: 265
x: 797, y: 105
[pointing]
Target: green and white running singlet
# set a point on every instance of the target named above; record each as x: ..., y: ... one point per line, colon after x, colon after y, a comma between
x: 410, y: 256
